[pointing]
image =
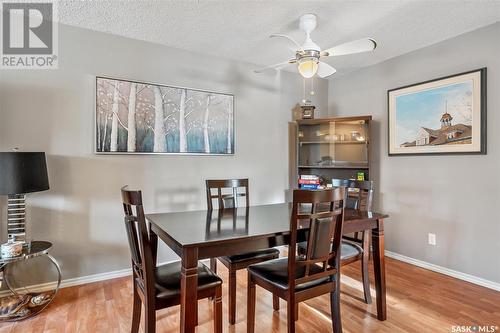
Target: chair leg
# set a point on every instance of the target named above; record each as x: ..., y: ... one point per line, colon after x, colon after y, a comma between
x: 136, y: 312
x: 213, y: 268
x: 218, y: 310
x: 296, y: 311
x: 290, y: 315
x: 276, y: 303
x: 276, y: 299
x: 213, y: 265
x: 149, y: 319
x: 335, y: 307
x: 364, y: 266
x: 232, y: 296
x: 250, y: 305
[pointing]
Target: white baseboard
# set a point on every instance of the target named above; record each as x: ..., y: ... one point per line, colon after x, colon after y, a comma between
x: 75, y: 281
x: 446, y: 271
x: 126, y: 272
x: 106, y: 276
x: 96, y: 277
x: 80, y: 280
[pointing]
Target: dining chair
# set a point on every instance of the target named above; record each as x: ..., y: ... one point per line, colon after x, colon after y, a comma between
x: 356, y: 247
x: 299, y: 278
x: 227, y: 192
x: 158, y: 287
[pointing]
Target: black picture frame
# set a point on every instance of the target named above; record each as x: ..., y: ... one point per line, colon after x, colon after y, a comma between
x: 482, y: 123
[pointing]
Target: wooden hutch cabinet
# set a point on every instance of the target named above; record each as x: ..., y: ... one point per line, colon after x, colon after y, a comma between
x: 330, y: 148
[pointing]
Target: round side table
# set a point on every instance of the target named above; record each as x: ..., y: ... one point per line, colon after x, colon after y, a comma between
x: 16, y: 305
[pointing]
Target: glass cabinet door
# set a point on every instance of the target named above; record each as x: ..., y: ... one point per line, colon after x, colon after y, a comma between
x: 339, y: 144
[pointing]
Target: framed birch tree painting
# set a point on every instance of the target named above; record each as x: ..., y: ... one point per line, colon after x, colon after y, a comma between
x: 441, y: 116
x: 145, y: 118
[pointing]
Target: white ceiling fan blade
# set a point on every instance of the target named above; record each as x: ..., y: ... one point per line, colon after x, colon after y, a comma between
x: 357, y: 46
x: 299, y: 47
x: 275, y: 66
x: 325, y: 70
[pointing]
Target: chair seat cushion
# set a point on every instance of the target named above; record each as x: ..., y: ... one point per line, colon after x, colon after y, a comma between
x: 168, y: 279
x: 348, y: 250
x: 276, y: 272
x: 265, y: 254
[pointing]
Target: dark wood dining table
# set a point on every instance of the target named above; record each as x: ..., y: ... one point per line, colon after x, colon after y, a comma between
x: 197, y: 235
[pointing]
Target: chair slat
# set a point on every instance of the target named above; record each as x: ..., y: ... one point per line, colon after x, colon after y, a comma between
x: 329, y: 272
x: 319, y: 215
x: 226, y: 184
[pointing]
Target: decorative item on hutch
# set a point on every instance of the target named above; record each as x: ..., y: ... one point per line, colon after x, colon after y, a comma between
x: 307, y: 110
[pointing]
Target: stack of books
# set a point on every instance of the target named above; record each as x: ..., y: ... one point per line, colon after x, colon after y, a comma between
x: 309, y: 182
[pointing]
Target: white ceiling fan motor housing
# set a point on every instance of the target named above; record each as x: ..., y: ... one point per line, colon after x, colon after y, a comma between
x: 308, y: 23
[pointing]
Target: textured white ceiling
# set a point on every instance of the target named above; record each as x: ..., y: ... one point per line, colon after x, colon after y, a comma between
x: 240, y: 29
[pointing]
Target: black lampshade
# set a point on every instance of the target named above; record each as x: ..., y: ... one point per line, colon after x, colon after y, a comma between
x: 22, y: 172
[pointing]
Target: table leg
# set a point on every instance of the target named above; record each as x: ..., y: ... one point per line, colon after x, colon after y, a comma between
x: 379, y: 268
x: 189, y: 290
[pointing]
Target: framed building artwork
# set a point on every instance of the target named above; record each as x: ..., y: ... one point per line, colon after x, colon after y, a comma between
x: 441, y: 116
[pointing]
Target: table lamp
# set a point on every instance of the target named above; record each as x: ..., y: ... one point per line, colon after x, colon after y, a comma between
x: 21, y: 173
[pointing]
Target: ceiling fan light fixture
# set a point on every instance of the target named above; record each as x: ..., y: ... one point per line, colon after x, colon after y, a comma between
x: 308, y: 67
x: 308, y: 55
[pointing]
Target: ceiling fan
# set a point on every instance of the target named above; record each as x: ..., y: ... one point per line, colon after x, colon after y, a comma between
x: 308, y: 54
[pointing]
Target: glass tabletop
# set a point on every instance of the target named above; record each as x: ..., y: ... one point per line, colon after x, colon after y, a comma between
x: 36, y: 248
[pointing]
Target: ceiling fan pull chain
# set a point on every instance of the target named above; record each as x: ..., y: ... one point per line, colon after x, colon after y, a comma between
x: 304, y: 90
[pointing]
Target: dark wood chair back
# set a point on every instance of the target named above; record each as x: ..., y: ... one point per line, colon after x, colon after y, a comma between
x: 324, y: 225
x: 139, y: 241
x: 363, y: 198
x: 222, y: 187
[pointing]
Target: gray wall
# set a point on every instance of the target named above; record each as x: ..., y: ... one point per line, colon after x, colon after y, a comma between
x: 52, y: 111
x: 455, y: 197
x: 452, y: 196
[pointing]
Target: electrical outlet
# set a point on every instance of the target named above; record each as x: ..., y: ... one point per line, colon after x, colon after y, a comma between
x: 432, y: 239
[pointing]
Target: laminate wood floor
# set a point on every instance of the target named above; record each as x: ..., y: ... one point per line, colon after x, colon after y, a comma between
x: 418, y: 300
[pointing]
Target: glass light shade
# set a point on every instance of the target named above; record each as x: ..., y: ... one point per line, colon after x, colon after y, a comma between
x: 308, y: 67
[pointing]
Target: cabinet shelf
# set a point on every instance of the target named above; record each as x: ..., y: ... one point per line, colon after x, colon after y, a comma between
x: 332, y: 142
x: 341, y: 166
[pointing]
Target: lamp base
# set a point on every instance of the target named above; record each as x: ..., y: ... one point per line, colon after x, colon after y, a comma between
x: 16, y: 217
